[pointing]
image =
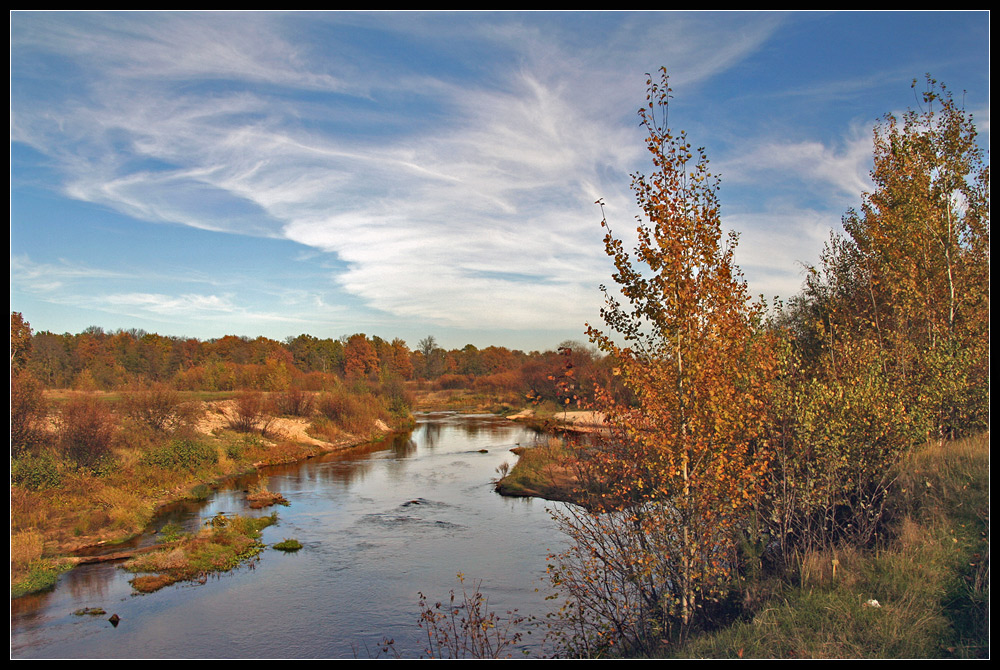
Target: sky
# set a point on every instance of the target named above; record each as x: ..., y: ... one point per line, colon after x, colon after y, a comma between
x: 405, y: 174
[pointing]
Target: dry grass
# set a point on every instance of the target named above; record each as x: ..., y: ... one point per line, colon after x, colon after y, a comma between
x: 260, y: 497
x: 549, y: 472
x: 928, y: 575
x: 25, y: 548
x: 222, y: 545
x: 147, y: 467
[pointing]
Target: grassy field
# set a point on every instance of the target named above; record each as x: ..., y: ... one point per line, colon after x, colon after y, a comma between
x: 922, y: 593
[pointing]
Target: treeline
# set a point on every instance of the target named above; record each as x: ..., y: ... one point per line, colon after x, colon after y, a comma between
x: 761, y: 434
x: 100, y: 360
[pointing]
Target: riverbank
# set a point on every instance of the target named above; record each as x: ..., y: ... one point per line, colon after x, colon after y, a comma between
x: 921, y: 591
x: 98, y: 508
x: 550, y: 471
x: 572, y: 422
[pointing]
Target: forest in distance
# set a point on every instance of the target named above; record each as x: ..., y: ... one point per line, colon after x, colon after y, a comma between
x: 810, y: 453
x: 95, y: 360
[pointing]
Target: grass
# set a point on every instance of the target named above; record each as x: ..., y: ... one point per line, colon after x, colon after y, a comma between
x: 929, y: 576
x: 222, y: 545
x: 468, y: 400
x: 928, y: 572
x: 288, y: 545
x: 38, y: 576
x: 546, y: 471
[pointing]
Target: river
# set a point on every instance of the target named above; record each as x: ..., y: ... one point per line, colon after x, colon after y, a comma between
x: 378, y: 524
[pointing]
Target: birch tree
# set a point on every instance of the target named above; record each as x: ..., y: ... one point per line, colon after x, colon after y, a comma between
x: 667, y: 492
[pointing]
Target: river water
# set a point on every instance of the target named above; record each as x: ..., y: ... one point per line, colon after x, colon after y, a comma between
x: 378, y: 525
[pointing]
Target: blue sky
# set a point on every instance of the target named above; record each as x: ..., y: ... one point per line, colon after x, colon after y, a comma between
x: 414, y: 174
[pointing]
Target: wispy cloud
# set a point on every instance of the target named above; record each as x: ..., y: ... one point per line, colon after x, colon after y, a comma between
x: 51, y: 277
x: 836, y: 171
x: 792, y: 233
x: 169, y: 305
x: 442, y: 159
x: 429, y: 219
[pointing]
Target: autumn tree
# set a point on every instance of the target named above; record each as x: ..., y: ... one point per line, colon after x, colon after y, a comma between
x: 20, y: 341
x: 399, y: 363
x: 27, y: 405
x: 433, y: 357
x: 889, y: 342
x: 360, y: 357
x: 912, y: 272
x: 673, y: 483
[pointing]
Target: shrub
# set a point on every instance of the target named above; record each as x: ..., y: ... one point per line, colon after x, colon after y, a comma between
x: 451, y: 382
x: 27, y: 411
x: 155, y: 406
x: 506, y: 381
x: 467, y: 628
x: 323, y: 429
x: 105, y: 466
x: 397, y: 398
x: 354, y: 413
x: 35, y: 471
x: 248, y: 413
x: 182, y: 454
x: 86, y: 430
x: 246, y: 446
x: 294, y: 402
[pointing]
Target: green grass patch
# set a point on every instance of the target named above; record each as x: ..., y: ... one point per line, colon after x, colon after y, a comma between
x: 288, y: 545
x: 546, y: 471
x: 40, y: 575
x: 183, y: 454
x: 222, y: 545
x: 35, y: 471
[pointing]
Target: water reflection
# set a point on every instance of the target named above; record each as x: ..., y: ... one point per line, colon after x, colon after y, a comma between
x: 378, y: 523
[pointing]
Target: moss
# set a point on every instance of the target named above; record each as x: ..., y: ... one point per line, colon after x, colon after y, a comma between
x: 288, y: 545
x: 90, y: 611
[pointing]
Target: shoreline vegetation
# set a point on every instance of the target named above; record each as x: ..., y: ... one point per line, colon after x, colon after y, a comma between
x: 920, y: 591
x: 62, y: 517
x: 927, y: 575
